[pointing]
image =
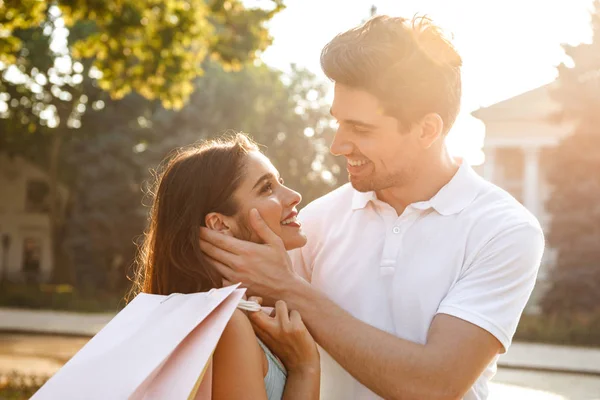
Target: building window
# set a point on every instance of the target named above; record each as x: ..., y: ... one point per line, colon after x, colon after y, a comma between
x: 32, y: 258
x: 38, y: 197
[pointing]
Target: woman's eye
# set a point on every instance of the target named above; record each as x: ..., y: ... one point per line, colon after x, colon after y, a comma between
x: 281, y: 181
x: 267, y: 188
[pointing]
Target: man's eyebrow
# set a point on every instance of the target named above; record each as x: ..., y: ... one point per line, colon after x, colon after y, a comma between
x: 354, y: 121
x: 360, y: 123
x: 263, y: 178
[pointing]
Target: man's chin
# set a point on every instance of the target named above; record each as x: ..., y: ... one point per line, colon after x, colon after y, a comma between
x: 360, y: 185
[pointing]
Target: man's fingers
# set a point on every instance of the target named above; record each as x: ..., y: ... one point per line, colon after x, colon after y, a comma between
x: 218, y: 254
x: 227, y: 243
x: 262, y: 229
x: 225, y: 271
x: 282, y: 313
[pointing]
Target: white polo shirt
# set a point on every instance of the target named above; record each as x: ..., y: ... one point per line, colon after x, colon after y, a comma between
x: 472, y: 251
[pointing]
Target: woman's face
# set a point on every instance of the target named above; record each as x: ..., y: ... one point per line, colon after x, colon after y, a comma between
x: 262, y: 188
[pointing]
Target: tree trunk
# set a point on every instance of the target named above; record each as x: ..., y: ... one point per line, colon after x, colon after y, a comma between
x: 61, y: 272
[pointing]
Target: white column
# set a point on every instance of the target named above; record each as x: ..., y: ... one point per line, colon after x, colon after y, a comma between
x: 489, y: 165
x: 531, y: 179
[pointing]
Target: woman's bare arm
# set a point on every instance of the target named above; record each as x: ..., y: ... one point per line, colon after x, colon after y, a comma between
x: 238, y: 371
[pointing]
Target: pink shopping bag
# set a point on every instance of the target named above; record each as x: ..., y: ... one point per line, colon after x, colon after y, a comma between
x: 157, y: 347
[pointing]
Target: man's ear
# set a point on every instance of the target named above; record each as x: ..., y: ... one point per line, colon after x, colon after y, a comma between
x: 218, y: 222
x: 432, y: 129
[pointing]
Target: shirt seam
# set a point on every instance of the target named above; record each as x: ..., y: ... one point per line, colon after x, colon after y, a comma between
x: 477, y: 253
x: 504, y: 337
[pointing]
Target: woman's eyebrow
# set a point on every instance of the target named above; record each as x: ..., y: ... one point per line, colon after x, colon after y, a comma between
x: 263, y: 178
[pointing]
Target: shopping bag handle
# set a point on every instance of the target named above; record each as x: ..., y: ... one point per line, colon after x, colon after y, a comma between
x: 249, y: 305
x: 245, y: 305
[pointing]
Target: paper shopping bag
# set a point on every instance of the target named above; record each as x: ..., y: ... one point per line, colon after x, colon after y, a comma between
x: 157, y: 347
x: 181, y: 375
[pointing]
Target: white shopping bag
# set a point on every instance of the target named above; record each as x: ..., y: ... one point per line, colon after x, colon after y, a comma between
x: 157, y: 347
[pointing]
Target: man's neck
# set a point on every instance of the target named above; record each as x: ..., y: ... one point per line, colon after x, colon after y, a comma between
x: 424, y: 185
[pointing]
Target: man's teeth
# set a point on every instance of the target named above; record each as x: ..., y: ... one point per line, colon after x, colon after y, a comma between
x: 288, y: 221
x: 357, y: 163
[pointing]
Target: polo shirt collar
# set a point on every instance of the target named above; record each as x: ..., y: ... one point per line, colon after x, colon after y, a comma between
x: 361, y: 199
x: 454, y: 197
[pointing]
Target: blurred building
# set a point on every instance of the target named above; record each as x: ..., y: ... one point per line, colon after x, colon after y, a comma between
x: 520, y: 134
x: 25, y: 245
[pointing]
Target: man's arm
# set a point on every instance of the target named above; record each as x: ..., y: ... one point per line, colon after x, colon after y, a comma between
x: 445, y: 367
x: 456, y: 351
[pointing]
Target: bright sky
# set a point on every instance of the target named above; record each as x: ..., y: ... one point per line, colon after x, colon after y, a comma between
x: 508, y: 46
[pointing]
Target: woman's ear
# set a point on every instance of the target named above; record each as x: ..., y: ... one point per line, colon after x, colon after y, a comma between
x: 218, y: 222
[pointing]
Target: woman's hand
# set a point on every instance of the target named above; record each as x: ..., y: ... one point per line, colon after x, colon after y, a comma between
x: 287, y: 336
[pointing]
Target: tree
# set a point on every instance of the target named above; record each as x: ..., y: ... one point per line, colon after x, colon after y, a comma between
x: 105, y: 214
x: 155, y: 47
x: 575, y: 179
x: 58, y: 59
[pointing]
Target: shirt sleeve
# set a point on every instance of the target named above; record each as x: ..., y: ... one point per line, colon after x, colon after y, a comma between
x: 495, y: 287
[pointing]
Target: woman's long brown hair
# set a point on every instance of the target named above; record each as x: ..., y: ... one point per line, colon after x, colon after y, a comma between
x: 193, y: 182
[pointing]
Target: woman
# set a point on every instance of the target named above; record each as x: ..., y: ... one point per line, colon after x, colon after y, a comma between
x: 215, y: 185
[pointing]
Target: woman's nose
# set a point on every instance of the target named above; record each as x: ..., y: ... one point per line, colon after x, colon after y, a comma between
x: 294, y: 198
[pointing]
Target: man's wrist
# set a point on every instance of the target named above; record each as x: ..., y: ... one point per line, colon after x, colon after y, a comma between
x: 299, y: 294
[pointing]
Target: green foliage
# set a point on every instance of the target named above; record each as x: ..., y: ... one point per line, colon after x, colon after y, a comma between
x: 154, y: 47
x: 575, y: 180
x: 18, y: 386
x: 17, y: 15
x: 59, y: 58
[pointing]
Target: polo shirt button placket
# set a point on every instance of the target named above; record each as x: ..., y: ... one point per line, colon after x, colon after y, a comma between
x: 388, y: 263
x: 387, y: 267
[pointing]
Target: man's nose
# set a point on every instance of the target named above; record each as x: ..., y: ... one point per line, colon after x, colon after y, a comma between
x: 340, y: 146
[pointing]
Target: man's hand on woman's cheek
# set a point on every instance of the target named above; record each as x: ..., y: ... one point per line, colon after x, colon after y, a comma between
x: 265, y: 269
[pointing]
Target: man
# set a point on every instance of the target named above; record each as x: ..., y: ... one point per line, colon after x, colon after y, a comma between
x: 419, y: 269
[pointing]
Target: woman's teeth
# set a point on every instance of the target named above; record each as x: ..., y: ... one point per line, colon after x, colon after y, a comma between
x: 357, y: 163
x: 288, y: 221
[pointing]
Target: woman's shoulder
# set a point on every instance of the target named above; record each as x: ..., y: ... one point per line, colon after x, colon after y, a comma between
x: 239, y: 335
x: 240, y: 324
x: 238, y: 362
x: 239, y: 332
